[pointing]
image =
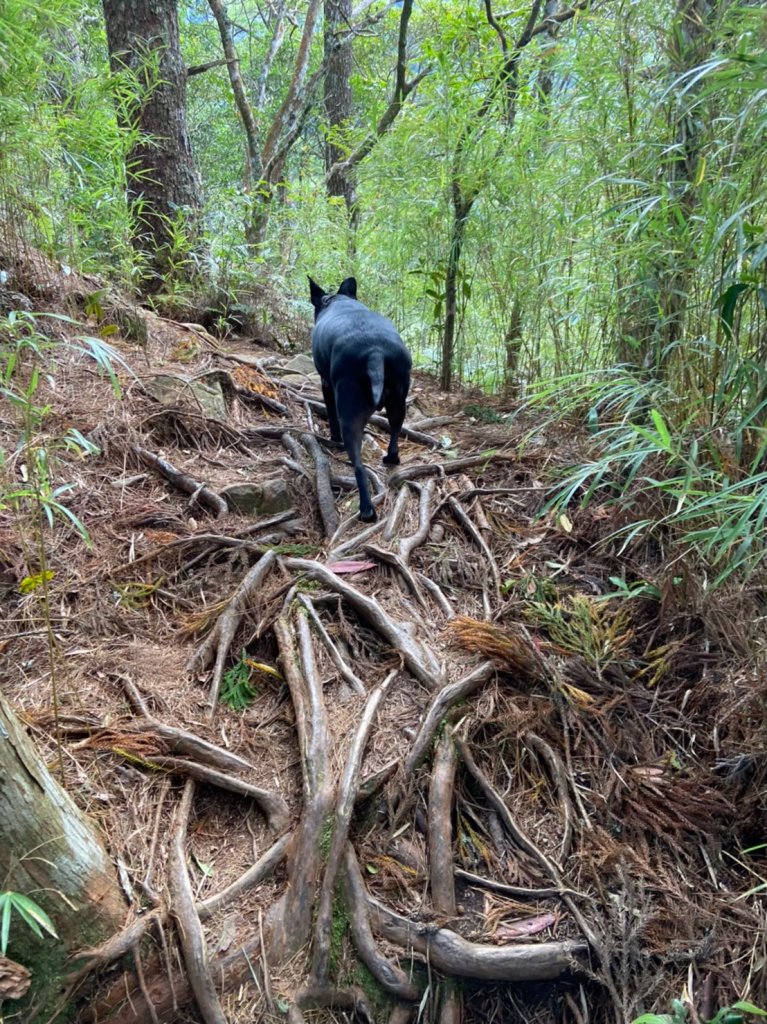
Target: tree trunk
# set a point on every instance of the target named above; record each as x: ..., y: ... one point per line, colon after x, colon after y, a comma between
x: 338, y: 100
x: 461, y: 210
x: 51, y: 853
x: 143, y: 39
x: 513, y: 346
x: 690, y: 43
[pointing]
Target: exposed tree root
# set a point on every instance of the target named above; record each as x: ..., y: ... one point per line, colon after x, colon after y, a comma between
x: 408, y: 544
x: 324, y: 491
x: 180, y: 741
x: 182, y: 481
x: 372, y: 611
x: 392, y: 523
x: 515, y: 891
x: 415, y: 472
x: 312, y: 997
x: 441, y: 827
x: 255, y: 874
x: 221, y: 636
x: 411, y: 433
x: 449, y: 952
x: 522, y: 840
x: 559, y: 777
x: 273, y: 806
x: 443, y: 701
x: 347, y: 793
x: 389, y: 558
x: 351, y: 678
x: 390, y: 976
x: 191, y: 936
x: 444, y: 828
x: 290, y: 918
x: 465, y: 520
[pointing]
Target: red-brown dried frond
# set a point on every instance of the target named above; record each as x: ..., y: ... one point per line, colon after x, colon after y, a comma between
x: 511, y: 648
x: 251, y: 379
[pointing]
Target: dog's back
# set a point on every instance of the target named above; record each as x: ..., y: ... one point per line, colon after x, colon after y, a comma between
x: 363, y: 365
x: 350, y: 341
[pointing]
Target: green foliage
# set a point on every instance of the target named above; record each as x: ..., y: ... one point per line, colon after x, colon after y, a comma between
x: 680, y: 1014
x: 237, y: 688
x: 24, y: 355
x: 582, y: 625
x: 32, y: 915
x: 696, y: 468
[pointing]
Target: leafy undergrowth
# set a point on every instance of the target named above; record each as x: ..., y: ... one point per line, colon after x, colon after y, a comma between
x: 520, y: 765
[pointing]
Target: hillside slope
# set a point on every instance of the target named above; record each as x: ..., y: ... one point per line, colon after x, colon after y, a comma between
x: 420, y: 764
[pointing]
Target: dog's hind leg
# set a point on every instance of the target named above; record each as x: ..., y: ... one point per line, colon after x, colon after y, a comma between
x: 353, y: 418
x: 330, y: 404
x: 396, y: 406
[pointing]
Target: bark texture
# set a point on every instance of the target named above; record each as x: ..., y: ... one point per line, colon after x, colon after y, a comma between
x: 143, y: 39
x: 49, y: 851
x: 338, y: 98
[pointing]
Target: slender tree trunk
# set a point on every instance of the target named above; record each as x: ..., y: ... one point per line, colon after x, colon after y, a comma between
x: 690, y: 43
x: 461, y: 210
x: 143, y: 39
x: 50, y: 852
x: 338, y: 100
x: 266, y: 163
x: 513, y: 346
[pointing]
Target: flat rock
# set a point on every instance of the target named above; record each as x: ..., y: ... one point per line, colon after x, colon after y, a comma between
x: 175, y: 391
x: 259, y: 499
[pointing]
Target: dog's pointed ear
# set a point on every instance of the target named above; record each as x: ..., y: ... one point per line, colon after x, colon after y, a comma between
x: 316, y: 293
x: 349, y: 288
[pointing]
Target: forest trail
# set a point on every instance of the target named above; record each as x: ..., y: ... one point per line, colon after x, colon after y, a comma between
x: 367, y: 769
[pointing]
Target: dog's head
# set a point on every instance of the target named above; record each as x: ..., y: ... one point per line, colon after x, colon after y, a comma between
x: 320, y: 298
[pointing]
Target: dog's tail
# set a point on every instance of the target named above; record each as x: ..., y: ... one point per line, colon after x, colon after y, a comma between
x: 376, y: 375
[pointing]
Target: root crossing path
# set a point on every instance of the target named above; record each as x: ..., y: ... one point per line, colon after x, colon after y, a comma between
x: 388, y: 772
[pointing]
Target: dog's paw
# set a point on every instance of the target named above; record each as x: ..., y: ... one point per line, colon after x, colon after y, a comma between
x: 371, y: 517
x: 391, y: 460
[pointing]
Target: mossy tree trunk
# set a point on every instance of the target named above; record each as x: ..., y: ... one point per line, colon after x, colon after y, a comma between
x: 50, y: 852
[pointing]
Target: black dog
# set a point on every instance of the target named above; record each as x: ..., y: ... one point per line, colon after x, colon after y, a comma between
x: 364, y: 366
